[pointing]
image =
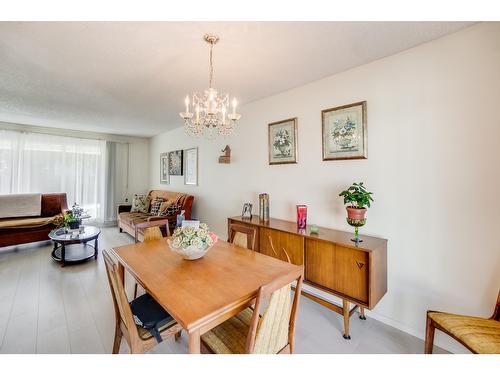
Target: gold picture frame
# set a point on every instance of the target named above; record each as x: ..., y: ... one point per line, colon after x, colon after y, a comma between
x: 344, y: 132
x: 282, y: 138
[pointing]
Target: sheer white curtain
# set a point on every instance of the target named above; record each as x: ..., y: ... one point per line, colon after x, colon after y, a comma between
x: 117, y: 164
x: 41, y: 163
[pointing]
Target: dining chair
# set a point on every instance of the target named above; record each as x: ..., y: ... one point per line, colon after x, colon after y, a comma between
x: 139, y: 339
x: 479, y: 335
x: 243, y: 236
x: 151, y: 231
x: 273, y: 332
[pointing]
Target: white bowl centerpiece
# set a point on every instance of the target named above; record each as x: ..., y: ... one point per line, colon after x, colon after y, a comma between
x: 191, y: 243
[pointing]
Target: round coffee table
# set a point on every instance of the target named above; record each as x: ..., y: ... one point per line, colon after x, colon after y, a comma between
x: 68, y: 245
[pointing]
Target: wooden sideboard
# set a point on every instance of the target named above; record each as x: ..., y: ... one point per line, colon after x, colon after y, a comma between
x: 357, y: 273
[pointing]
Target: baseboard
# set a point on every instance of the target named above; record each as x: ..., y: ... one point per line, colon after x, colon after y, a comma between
x: 450, y: 346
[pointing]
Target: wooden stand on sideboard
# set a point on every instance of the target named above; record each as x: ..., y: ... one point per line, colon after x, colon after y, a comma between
x: 332, y: 262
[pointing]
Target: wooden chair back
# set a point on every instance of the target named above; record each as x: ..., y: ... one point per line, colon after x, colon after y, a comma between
x: 496, y: 313
x: 152, y: 230
x: 123, y: 312
x: 243, y: 236
x: 274, y: 331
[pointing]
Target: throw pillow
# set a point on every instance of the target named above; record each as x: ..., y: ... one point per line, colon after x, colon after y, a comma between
x: 140, y: 203
x: 155, y: 206
x: 164, y: 206
x: 170, y: 209
x: 173, y: 209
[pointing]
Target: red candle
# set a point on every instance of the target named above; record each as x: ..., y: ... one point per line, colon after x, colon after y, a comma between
x: 301, y: 216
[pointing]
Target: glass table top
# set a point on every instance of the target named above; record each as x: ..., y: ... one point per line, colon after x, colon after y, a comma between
x: 64, y: 234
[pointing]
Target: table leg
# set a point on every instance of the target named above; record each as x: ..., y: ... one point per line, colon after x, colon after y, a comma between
x: 194, y: 342
x: 96, y: 249
x: 362, y: 313
x: 63, y: 255
x: 345, y: 310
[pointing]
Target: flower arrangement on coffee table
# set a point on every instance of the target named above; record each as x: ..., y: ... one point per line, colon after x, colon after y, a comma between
x: 191, y: 243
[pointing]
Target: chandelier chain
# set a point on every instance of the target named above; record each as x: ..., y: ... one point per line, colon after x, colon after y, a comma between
x: 211, y: 67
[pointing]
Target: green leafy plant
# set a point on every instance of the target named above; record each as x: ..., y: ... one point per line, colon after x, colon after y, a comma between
x: 357, y: 196
x: 69, y: 217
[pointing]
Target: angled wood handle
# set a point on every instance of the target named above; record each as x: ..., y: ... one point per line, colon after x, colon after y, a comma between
x: 360, y: 264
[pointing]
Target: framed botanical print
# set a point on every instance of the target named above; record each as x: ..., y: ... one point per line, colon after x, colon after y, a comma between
x: 344, y: 132
x: 283, y: 142
x: 175, y: 164
x: 191, y: 166
x: 164, y: 168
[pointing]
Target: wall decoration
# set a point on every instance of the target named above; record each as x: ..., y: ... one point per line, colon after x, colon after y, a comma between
x: 283, y: 142
x: 191, y: 166
x: 164, y: 168
x: 175, y: 163
x: 344, y: 132
x: 226, y: 158
x: 247, y: 211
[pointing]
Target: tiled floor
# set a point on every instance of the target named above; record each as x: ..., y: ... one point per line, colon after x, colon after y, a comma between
x: 48, y: 309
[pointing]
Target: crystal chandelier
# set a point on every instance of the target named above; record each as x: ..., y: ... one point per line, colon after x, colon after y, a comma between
x: 211, y: 111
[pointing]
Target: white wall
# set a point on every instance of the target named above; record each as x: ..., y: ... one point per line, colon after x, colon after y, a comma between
x: 433, y: 154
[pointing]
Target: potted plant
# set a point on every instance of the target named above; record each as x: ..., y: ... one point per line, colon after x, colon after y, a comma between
x: 73, y: 217
x: 358, y: 199
x: 71, y: 220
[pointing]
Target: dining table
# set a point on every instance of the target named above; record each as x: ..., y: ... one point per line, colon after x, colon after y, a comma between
x: 200, y: 294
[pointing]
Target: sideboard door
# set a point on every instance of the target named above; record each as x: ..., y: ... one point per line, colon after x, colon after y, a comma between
x: 291, y: 243
x: 340, y: 269
x: 351, y: 273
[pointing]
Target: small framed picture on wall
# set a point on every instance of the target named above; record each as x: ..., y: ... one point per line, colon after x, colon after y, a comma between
x: 344, y: 132
x: 283, y: 142
x: 164, y: 168
x: 175, y: 163
x: 191, y: 166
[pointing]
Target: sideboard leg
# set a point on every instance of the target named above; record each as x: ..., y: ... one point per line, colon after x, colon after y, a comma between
x: 345, y: 310
x: 362, y: 313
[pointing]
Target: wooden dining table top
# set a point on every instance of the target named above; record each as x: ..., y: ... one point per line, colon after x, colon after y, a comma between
x: 195, y: 292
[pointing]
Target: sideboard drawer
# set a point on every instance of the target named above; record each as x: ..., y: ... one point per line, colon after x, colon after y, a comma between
x: 291, y: 243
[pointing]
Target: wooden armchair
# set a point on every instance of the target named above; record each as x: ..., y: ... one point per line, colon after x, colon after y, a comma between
x: 273, y: 332
x: 139, y: 339
x: 479, y: 335
x: 243, y: 236
x: 152, y: 230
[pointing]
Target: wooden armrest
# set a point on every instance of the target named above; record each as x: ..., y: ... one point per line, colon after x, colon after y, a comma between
x: 152, y: 223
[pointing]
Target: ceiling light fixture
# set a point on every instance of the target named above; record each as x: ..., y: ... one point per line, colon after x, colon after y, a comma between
x: 211, y: 111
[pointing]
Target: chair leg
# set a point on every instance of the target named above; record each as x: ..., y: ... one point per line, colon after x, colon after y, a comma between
x: 135, y: 291
x: 178, y: 335
x: 118, y: 340
x: 429, y: 336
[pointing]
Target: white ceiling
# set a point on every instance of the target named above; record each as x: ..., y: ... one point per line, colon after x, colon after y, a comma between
x: 131, y: 77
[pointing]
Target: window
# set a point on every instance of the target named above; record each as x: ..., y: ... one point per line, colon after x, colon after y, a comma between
x: 41, y: 163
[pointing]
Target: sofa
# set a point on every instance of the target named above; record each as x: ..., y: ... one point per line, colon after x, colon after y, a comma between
x: 17, y: 230
x: 127, y: 220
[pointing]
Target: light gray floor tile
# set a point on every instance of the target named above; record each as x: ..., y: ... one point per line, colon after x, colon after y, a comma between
x: 54, y: 341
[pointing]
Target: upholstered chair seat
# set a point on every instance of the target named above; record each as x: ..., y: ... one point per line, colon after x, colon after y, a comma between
x: 480, y: 335
x: 230, y: 336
